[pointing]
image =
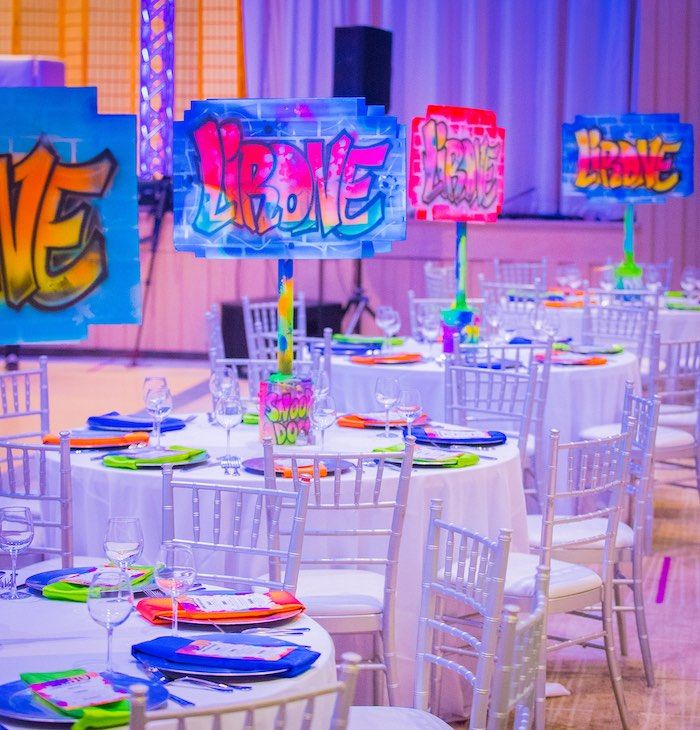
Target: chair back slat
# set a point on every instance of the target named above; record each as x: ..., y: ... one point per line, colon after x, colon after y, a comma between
x: 24, y: 398
x: 515, y: 302
x: 520, y: 272
x: 261, y: 317
x: 25, y: 477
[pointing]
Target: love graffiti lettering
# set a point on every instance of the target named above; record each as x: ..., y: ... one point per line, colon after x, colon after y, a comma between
x: 264, y: 185
x: 52, y: 247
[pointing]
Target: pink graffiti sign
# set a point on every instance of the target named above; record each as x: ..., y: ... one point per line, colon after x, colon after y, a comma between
x: 285, y: 411
x: 456, y: 165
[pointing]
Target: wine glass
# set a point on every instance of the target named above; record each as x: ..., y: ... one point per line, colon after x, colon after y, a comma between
x: 409, y: 406
x: 321, y: 382
x: 16, y: 535
x: 175, y: 573
x: 562, y: 276
x: 607, y: 277
x: 323, y: 415
x: 222, y: 382
x: 386, y: 392
x: 574, y: 278
x: 652, y: 277
x: 538, y: 315
x: 689, y: 280
x: 228, y: 413
x: 551, y: 323
x: 123, y: 541
x: 389, y: 321
x: 430, y: 326
x: 493, y: 316
x: 159, y: 403
x: 110, y: 600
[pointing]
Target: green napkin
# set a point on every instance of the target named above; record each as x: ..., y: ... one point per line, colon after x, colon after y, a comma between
x: 180, y: 453
x: 683, y: 307
x: 112, y: 715
x: 675, y: 294
x: 63, y: 591
x: 364, y: 339
x: 452, y: 460
x: 251, y: 419
x: 588, y: 349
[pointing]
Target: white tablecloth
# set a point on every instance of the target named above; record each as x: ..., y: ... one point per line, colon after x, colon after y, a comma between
x: 39, y: 635
x: 484, y: 497
x: 578, y: 396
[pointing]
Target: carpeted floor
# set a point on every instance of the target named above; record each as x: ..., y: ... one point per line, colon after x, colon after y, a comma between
x: 82, y: 387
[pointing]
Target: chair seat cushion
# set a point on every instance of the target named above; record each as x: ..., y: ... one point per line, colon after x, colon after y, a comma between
x: 678, y: 416
x: 666, y: 438
x: 577, y: 531
x: 387, y: 718
x: 341, y: 592
x: 567, y: 579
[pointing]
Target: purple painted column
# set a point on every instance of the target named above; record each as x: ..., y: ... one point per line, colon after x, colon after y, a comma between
x: 157, y: 86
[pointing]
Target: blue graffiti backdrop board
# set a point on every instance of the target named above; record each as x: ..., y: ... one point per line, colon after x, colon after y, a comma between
x: 69, y: 253
x: 632, y: 158
x: 288, y: 178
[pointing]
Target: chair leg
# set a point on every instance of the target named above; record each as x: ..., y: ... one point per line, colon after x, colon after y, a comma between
x: 613, y: 666
x: 541, y: 687
x: 619, y: 615
x: 640, y: 616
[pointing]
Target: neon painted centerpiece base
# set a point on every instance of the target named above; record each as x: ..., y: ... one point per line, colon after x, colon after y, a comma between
x: 285, y: 410
x: 453, y: 322
x: 628, y: 274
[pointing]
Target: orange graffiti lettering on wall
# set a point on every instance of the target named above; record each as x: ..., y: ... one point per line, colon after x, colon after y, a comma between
x: 52, y: 247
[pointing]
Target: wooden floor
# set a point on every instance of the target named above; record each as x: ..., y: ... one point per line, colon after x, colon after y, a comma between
x: 84, y: 387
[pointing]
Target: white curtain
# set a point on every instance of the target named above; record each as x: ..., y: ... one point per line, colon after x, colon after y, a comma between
x: 537, y: 63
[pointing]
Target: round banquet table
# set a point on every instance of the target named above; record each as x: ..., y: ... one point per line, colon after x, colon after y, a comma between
x: 672, y: 324
x: 484, y: 497
x: 40, y: 635
x: 578, y: 396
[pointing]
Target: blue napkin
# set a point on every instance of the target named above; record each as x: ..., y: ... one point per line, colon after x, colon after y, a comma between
x: 494, y: 438
x: 114, y: 420
x: 529, y: 341
x: 161, y: 652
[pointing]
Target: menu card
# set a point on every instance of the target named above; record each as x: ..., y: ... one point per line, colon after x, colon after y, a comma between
x: 81, y: 690
x: 223, y: 650
x: 216, y: 603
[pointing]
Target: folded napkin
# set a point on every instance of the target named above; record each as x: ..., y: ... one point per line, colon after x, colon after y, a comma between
x: 160, y: 610
x: 359, y: 420
x: 61, y: 590
x: 427, y: 456
x: 251, y: 419
x: 126, y: 461
x: 683, y: 306
x: 405, y: 357
x: 447, y: 434
x: 564, y: 304
x: 111, y: 715
x: 565, y: 358
x: 84, y: 441
x: 518, y: 340
x: 115, y: 421
x: 286, y: 471
x: 366, y: 340
x: 163, y: 653
x: 589, y: 349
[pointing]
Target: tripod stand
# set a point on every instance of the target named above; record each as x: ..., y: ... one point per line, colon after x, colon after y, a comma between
x: 358, y: 303
x: 157, y: 197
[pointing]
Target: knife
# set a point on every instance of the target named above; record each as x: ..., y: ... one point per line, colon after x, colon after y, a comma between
x: 159, y: 677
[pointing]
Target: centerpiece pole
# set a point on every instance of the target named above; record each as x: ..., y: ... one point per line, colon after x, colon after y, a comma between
x: 461, y: 266
x: 285, y: 316
x: 628, y: 270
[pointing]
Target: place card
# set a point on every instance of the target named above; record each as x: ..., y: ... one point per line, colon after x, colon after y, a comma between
x: 458, y: 434
x: 227, y: 603
x: 82, y: 690
x: 223, y: 650
x: 84, y: 579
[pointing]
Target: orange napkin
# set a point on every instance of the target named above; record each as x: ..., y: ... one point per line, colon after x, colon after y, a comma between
x: 354, y: 420
x: 565, y: 359
x: 135, y: 437
x: 407, y: 357
x: 558, y: 304
x: 308, y: 470
x: 160, y: 610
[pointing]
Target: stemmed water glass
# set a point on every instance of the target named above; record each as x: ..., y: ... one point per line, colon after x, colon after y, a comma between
x: 538, y: 316
x: 690, y: 279
x: 409, y: 406
x: 175, y: 573
x: 323, y: 415
x: 16, y: 535
x: 493, y: 316
x: 389, y: 321
x: 550, y: 324
x: 159, y: 403
x: 110, y: 600
x: 228, y: 413
x: 430, y: 326
x: 607, y: 277
x: 386, y: 393
x: 123, y: 542
x: 222, y: 382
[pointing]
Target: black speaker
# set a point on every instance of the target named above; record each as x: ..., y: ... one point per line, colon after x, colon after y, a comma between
x: 363, y: 64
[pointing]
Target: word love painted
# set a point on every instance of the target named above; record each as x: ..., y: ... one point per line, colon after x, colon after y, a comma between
x: 633, y: 158
x: 52, y: 244
x: 456, y: 166
x: 285, y: 408
x: 299, y: 188
x: 297, y: 178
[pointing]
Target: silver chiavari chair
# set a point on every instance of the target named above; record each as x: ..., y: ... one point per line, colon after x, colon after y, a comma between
x: 296, y: 711
x: 305, y: 346
x: 619, y: 317
x: 658, y: 274
x: 440, y: 282
x: 632, y: 539
x: 24, y: 479
x: 520, y: 272
x: 463, y: 573
x: 24, y: 401
x: 251, y: 529
x: 262, y: 317
x: 418, y: 305
x: 348, y: 571
x: 515, y: 302
x: 500, y: 398
x: 215, y: 339
x: 579, y: 528
x: 518, y: 662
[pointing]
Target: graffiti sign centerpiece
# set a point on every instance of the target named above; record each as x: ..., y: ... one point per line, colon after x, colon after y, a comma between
x: 286, y: 179
x: 632, y: 158
x: 456, y: 174
x: 69, y: 252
